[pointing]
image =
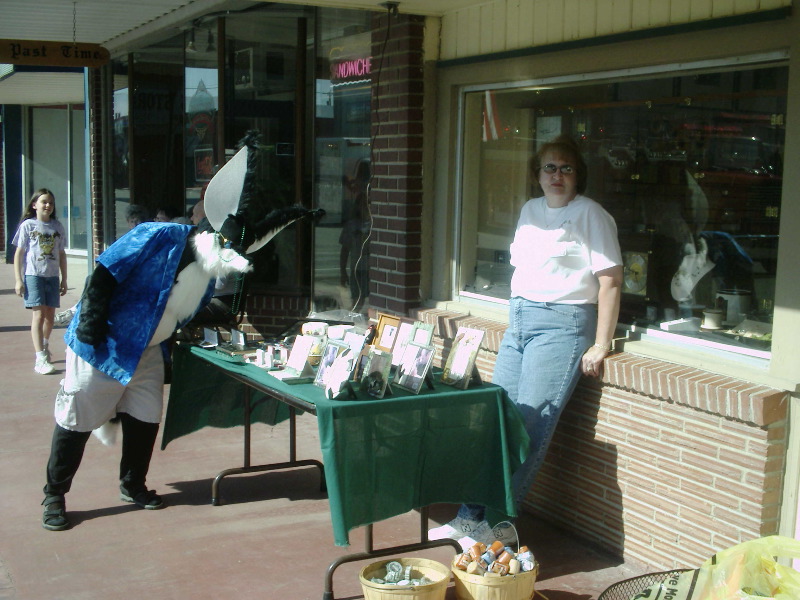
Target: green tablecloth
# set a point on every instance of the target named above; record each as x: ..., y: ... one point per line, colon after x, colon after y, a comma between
x: 382, y: 457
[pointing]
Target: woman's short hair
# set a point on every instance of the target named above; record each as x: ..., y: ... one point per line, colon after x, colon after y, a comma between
x: 567, y: 149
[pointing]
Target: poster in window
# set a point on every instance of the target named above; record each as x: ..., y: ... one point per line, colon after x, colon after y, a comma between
x: 243, y: 68
x: 204, y: 164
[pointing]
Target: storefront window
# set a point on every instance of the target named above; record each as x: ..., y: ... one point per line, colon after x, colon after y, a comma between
x: 202, y: 108
x: 58, y: 162
x: 343, y: 166
x: 689, y: 166
x: 265, y: 83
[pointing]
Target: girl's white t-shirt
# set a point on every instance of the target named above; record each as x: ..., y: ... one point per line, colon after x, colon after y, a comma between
x: 43, y: 243
x: 556, y: 252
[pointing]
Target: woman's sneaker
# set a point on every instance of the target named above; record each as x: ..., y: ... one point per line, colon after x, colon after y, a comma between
x: 459, y: 528
x: 64, y: 317
x: 43, y: 366
x: 505, y: 532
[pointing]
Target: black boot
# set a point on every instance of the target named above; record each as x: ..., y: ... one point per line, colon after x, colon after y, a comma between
x: 66, y: 453
x: 138, y: 441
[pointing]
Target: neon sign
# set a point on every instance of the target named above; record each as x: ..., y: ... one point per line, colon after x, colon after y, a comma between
x: 350, y: 69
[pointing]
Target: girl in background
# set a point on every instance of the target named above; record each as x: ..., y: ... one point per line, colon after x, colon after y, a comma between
x: 38, y: 260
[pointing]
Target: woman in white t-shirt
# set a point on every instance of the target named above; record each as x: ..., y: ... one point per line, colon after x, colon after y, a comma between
x: 565, y: 295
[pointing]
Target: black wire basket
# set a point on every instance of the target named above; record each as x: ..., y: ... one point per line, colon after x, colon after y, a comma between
x: 628, y: 588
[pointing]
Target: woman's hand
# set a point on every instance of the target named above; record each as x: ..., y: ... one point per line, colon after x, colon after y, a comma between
x: 592, y: 361
x: 19, y: 289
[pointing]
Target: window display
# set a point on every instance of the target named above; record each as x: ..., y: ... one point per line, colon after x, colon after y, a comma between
x: 689, y: 166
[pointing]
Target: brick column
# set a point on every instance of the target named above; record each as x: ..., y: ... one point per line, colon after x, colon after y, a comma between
x: 396, y: 191
x: 94, y: 105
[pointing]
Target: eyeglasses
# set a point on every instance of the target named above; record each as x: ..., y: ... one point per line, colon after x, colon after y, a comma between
x: 550, y: 168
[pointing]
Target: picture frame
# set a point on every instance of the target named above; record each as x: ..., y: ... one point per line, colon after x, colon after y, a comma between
x: 414, y: 366
x: 337, y: 375
x: 330, y: 353
x: 297, y: 368
x: 361, y: 364
x: 459, y: 369
x: 375, y: 377
x: 386, y: 332
x: 401, y: 339
x: 410, y: 330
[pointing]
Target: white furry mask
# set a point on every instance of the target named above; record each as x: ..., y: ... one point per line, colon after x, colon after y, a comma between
x: 216, y: 260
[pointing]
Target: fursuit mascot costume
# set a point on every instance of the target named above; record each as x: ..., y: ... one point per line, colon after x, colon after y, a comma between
x: 146, y: 285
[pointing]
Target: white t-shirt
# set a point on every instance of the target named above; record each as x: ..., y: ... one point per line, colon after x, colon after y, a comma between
x: 557, y: 252
x: 43, y: 243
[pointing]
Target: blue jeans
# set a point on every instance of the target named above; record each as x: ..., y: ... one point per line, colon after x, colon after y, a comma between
x: 538, y: 365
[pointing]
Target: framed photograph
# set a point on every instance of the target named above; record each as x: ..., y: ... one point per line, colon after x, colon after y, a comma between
x: 422, y: 333
x: 461, y: 361
x: 297, y: 368
x: 386, y: 332
x: 329, y: 355
x: 360, y: 364
x: 375, y: 378
x: 414, y: 366
x: 410, y: 331
x: 401, y: 339
x: 338, y: 373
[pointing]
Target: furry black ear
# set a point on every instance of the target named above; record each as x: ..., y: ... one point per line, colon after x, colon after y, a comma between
x: 95, y: 305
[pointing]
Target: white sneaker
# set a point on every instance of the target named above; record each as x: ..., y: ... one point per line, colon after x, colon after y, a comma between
x: 459, y: 528
x: 43, y: 367
x: 504, y: 532
x: 64, y: 317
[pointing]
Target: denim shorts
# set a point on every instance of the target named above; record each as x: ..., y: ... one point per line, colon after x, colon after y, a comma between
x: 42, y: 291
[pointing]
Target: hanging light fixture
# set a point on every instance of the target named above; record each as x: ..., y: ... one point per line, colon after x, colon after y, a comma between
x: 211, y: 47
x: 190, y: 46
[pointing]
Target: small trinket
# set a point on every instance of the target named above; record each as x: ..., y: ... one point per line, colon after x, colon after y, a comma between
x: 500, y: 568
x: 496, y: 547
x: 505, y: 557
x: 513, y: 566
x: 475, y: 568
x: 464, y: 561
x: 477, y: 550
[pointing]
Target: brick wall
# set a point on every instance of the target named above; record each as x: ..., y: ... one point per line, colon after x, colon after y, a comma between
x: 268, y: 315
x: 660, y: 463
x: 396, y: 190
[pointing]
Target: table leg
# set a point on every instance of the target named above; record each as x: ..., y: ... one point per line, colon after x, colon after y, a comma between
x: 370, y: 552
x: 247, y: 468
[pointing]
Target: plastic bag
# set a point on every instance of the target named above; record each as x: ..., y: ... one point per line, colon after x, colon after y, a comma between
x: 748, y: 571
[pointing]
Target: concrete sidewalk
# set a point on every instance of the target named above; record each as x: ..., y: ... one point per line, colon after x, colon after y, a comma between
x: 270, y: 539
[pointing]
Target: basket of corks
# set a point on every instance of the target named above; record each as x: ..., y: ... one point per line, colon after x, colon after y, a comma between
x: 495, y: 572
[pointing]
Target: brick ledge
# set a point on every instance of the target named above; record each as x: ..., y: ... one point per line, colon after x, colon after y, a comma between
x: 718, y: 394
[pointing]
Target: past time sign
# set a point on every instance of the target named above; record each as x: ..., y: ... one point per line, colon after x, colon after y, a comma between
x: 52, y: 54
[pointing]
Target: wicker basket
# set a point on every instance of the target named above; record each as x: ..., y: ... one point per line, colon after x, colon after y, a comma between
x: 628, y: 588
x: 421, y: 566
x: 508, y: 587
